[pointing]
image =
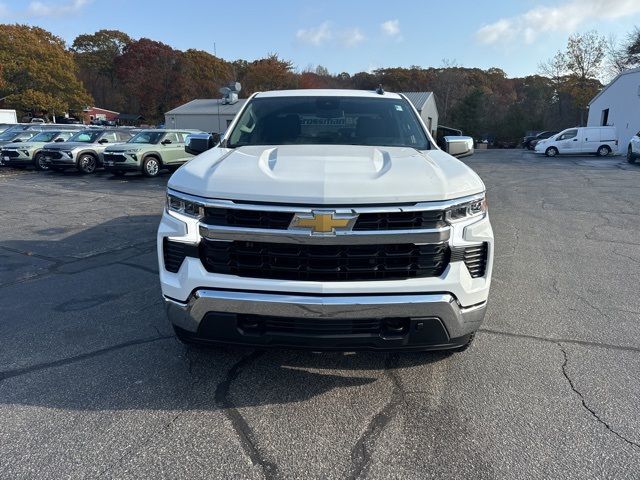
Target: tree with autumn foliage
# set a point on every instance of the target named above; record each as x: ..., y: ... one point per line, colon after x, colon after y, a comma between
x: 270, y: 73
x: 96, y: 56
x: 38, y: 73
x: 149, y: 72
x: 202, y: 74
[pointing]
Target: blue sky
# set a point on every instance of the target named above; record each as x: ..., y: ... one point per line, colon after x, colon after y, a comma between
x: 345, y: 35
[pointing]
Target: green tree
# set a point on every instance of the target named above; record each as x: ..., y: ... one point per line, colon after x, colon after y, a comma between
x: 467, y: 115
x: 38, y: 72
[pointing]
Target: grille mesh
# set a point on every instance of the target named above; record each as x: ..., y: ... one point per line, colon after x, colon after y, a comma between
x: 324, y: 262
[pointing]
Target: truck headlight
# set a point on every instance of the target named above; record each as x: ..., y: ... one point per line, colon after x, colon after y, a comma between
x: 475, y: 208
x: 184, y: 207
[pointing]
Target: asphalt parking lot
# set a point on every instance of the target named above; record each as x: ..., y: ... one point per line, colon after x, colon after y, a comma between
x: 93, y: 384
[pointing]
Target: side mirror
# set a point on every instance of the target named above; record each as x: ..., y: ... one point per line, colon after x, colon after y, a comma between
x: 458, y: 146
x: 59, y: 139
x: 17, y: 140
x: 166, y: 141
x: 199, y: 142
x: 103, y: 141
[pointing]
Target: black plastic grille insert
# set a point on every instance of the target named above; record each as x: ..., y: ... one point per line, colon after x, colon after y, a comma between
x: 324, y: 262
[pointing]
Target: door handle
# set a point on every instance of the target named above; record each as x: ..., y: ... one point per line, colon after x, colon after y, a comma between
x: 575, y: 139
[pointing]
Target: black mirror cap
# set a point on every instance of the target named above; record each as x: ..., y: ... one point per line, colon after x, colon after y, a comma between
x: 59, y: 140
x: 103, y: 140
x: 200, y: 142
x: 166, y: 141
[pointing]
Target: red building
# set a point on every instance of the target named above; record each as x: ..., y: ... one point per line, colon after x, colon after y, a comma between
x: 95, y: 114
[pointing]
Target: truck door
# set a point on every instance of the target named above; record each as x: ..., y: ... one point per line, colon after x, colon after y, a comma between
x: 567, y: 141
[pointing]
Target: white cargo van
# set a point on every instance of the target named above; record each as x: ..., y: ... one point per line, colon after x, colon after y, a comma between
x: 8, y: 116
x: 599, y: 140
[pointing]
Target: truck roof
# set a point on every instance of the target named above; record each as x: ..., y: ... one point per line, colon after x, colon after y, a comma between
x: 327, y: 92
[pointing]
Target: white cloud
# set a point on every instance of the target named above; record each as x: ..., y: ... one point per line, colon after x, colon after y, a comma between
x: 351, y: 37
x: 325, y: 33
x: 391, y: 28
x: 316, y: 36
x: 42, y: 9
x: 563, y: 18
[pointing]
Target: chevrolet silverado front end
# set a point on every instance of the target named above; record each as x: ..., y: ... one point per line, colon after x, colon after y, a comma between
x: 326, y: 219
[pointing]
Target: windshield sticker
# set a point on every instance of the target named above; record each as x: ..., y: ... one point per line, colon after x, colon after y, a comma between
x: 399, y: 108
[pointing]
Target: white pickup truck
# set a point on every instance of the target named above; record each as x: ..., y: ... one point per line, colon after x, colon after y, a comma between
x: 327, y: 219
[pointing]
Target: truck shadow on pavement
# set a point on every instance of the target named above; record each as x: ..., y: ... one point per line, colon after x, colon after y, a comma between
x: 96, y: 336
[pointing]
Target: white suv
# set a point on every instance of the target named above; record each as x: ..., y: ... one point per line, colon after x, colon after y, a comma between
x: 327, y: 219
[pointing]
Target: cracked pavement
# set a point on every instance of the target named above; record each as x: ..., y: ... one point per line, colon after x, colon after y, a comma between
x: 94, y: 385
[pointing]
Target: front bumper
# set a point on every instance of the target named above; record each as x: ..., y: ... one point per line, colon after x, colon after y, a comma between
x: 128, y: 162
x: 379, y: 322
x: 64, y: 159
x: 13, y: 160
x: 437, y: 312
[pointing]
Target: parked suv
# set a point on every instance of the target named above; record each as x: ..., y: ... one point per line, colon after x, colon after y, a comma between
x: 327, y: 219
x: 83, y: 151
x: 530, y: 143
x: 16, y: 136
x: 633, y: 150
x: 148, y: 152
x: 29, y: 152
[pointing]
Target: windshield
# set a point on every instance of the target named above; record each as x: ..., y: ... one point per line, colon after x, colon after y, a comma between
x: 147, y: 137
x: 329, y: 121
x: 9, y: 135
x: 86, y: 136
x: 44, y: 137
x: 13, y: 136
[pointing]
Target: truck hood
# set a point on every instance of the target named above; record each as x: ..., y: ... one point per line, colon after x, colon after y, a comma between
x: 326, y: 175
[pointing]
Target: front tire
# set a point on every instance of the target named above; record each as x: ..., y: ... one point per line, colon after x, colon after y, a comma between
x: 603, y: 151
x: 551, y: 152
x: 630, y: 157
x: 87, y: 163
x: 150, y: 167
x: 38, y: 162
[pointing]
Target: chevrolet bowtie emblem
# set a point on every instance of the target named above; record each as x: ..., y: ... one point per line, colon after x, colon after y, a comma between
x: 323, y: 222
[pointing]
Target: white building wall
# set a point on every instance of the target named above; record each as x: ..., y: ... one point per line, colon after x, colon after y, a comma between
x: 205, y: 122
x: 622, y: 98
x: 430, y: 111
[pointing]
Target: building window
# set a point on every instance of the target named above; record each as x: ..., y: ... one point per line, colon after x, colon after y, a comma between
x: 605, y: 117
x: 429, y: 123
x: 229, y: 123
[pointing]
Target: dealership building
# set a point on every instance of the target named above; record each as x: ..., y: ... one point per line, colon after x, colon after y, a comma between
x: 618, y: 105
x: 206, y: 114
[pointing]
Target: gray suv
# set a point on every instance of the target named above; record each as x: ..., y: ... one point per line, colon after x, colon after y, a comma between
x: 83, y: 151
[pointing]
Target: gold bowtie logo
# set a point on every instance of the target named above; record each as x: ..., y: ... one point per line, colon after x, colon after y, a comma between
x: 323, y: 222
